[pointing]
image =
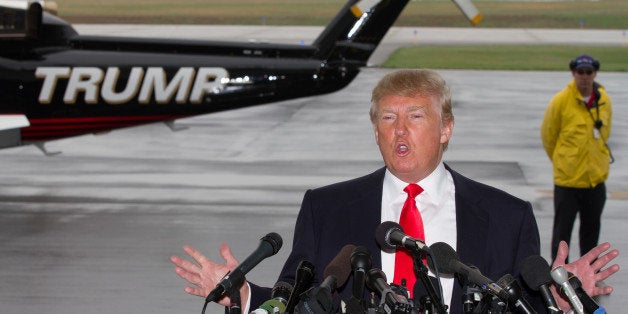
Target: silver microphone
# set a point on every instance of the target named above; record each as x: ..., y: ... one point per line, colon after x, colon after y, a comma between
x: 560, y: 277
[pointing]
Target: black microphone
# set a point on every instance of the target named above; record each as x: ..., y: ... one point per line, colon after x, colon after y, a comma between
x: 446, y: 259
x: 361, y: 262
x: 278, y: 299
x: 560, y: 277
x: 303, y: 280
x: 535, y: 271
x: 319, y: 299
x: 394, y: 303
x: 516, y: 302
x: 338, y: 270
x: 269, y: 245
x: 590, y: 306
x: 389, y: 235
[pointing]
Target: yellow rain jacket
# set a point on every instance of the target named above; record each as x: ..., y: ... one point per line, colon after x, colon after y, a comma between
x: 579, y: 156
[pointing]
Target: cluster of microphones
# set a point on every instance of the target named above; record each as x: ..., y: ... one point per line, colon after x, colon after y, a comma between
x: 480, y: 294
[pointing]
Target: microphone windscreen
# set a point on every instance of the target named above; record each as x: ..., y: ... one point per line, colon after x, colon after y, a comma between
x: 272, y: 304
x: 382, y: 234
x: 505, y: 280
x: 442, y: 254
x: 361, y: 258
x: 274, y: 240
x: 281, y: 290
x: 304, y: 273
x: 535, y: 271
x: 340, y: 266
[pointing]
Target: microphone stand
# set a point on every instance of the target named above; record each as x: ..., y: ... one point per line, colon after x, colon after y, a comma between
x: 236, y: 306
x: 472, y: 296
x: 467, y: 299
x: 234, y: 294
x: 420, y: 271
x: 427, y: 306
x: 497, y: 305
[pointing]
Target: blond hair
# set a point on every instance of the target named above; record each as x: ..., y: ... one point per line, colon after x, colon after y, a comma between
x: 412, y: 83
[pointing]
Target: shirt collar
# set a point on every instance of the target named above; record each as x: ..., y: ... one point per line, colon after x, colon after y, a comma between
x: 433, y: 185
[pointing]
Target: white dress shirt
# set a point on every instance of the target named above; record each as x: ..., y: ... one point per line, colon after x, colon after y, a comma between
x: 437, y: 205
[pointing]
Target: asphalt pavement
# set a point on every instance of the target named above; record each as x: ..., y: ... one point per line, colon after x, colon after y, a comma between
x: 91, y: 230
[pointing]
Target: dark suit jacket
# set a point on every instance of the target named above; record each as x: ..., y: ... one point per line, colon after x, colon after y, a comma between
x: 496, y: 231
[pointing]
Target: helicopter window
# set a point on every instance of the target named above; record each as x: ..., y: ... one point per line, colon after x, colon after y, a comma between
x: 19, y: 18
x: 13, y: 21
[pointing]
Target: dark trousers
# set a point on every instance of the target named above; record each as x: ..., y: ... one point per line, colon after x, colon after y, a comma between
x: 568, y: 202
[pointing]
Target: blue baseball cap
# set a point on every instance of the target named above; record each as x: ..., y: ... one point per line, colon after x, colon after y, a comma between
x: 584, y: 61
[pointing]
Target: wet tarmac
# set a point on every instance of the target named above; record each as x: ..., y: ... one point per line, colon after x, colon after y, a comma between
x: 91, y: 230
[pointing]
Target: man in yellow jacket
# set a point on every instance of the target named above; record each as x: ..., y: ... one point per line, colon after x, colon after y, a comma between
x: 574, y: 131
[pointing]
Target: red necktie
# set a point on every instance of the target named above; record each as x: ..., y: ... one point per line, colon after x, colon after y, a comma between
x: 412, y: 225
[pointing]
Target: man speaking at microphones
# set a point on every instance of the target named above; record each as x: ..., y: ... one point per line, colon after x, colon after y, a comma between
x: 412, y: 120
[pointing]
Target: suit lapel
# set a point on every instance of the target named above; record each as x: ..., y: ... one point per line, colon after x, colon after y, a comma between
x: 471, y: 220
x: 366, y: 212
x: 472, y: 226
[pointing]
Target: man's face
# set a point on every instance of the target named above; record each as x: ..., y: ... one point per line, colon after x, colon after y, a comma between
x: 410, y: 134
x: 584, y: 77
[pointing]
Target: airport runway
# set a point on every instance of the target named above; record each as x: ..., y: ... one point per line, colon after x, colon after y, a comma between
x: 91, y: 230
x: 395, y: 37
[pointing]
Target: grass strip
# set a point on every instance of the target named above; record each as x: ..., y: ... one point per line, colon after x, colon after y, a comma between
x: 505, y: 57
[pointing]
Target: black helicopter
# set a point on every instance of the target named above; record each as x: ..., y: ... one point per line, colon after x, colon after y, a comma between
x: 55, y: 83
